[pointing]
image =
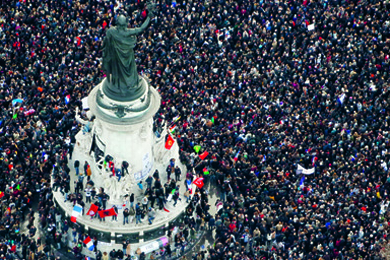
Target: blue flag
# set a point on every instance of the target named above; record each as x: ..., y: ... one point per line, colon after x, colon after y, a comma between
x: 302, y: 181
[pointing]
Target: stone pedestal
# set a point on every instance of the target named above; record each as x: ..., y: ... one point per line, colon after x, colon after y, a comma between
x: 123, y: 131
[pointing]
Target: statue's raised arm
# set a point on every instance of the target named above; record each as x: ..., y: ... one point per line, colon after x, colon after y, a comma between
x: 151, y: 12
x: 118, y: 58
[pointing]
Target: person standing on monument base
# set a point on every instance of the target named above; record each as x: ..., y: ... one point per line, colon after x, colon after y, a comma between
x: 138, y: 213
x: 156, y: 175
x: 177, y: 173
x: 77, y: 167
x: 86, y: 164
x: 125, y: 166
x: 103, y: 198
x: 131, y: 214
x: 145, y: 202
x: 149, y: 181
x: 115, y: 217
x: 126, y: 216
x: 151, y: 215
x: 169, y: 171
x: 132, y: 198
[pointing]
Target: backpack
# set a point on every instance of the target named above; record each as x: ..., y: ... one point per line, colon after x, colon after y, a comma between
x: 132, y: 211
x: 89, y: 172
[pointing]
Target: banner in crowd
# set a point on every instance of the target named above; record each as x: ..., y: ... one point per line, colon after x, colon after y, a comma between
x: 153, y: 246
x: 219, y: 206
x: 301, y: 170
x: 199, y: 182
x: 92, y: 210
x: 107, y: 213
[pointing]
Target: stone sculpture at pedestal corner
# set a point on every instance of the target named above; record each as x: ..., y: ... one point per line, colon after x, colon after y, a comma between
x: 123, y: 82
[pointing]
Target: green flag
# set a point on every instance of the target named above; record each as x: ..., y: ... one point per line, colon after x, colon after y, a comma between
x: 173, y: 191
x: 14, y: 116
x: 197, y: 148
x: 18, y: 187
x: 212, y: 120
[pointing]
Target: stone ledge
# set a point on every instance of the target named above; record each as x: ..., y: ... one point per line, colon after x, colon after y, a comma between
x: 161, y: 219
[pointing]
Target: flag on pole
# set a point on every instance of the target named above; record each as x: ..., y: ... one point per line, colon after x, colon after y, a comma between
x: 88, y: 242
x: 67, y: 99
x: 76, y: 212
x: 172, y: 129
x: 302, y: 182
x: 197, y: 148
x: 1, y: 194
x: 176, y: 118
x: 166, y: 210
x: 314, y: 160
x: 169, y: 143
x: 199, y: 182
x: 107, y: 213
x: 203, y: 155
x: 206, y: 171
x: 92, y: 210
x: 219, y: 206
x: 189, y: 183
x: 236, y: 156
x: 18, y: 187
x: 212, y: 120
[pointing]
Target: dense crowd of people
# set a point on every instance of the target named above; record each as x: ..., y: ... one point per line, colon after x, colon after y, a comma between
x: 262, y: 86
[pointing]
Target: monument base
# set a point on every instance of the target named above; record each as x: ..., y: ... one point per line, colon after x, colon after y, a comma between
x: 123, y: 133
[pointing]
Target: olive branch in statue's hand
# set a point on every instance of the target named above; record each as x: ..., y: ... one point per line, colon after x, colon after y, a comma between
x: 151, y: 8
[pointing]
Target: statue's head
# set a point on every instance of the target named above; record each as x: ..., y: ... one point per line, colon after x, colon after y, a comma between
x: 121, y: 21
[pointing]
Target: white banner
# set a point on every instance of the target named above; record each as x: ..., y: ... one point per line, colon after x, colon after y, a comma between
x: 84, y: 102
x: 150, y: 247
x: 219, y: 206
x: 302, y: 170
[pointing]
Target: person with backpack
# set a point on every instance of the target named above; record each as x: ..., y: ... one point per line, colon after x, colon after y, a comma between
x: 86, y: 164
x: 89, y: 173
x: 131, y: 214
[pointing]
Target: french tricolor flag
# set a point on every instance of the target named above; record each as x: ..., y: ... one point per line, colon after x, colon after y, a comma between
x: 67, y: 99
x: 189, y: 183
x: 236, y: 156
x: 89, y: 243
x: 77, y: 210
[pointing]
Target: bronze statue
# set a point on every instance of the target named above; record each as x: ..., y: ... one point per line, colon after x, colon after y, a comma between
x: 122, y: 81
